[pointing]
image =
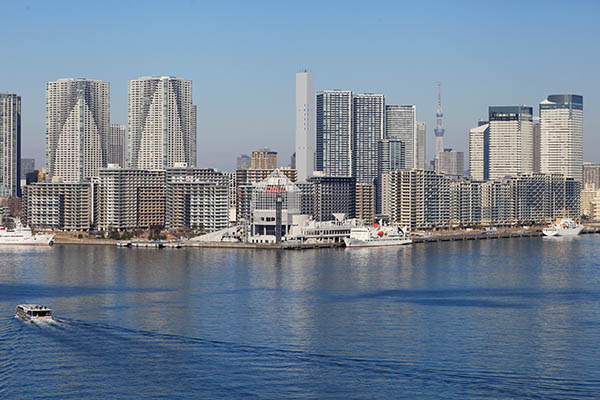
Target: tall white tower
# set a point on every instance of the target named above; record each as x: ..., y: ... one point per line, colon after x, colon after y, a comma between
x: 305, y: 124
x: 162, y: 123
x: 439, y: 130
x: 561, y: 135
x: 77, y: 128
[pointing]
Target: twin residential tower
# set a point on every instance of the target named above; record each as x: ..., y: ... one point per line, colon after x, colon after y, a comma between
x: 80, y: 139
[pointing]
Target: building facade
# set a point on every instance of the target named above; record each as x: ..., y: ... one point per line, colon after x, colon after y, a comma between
x: 367, y: 130
x: 61, y: 206
x: 10, y: 145
x: 162, y: 123
x: 77, y: 128
x: 129, y: 198
x: 511, y: 141
x: 591, y: 175
x: 117, y: 145
x: 334, y: 133
x: 451, y: 162
x: 242, y: 162
x: 305, y: 125
x: 263, y: 159
x: 561, y: 135
x: 333, y: 195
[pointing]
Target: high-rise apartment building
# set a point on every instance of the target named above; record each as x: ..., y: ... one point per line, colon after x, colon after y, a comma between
x: 367, y: 131
x: 420, y: 147
x: 117, y: 145
x: 401, y: 124
x: 479, y: 147
x: 10, y: 145
x: 334, y: 132
x: 511, y: 140
x: 305, y: 124
x: 77, y: 128
x: 263, y: 159
x: 162, y: 123
x: 561, y: 135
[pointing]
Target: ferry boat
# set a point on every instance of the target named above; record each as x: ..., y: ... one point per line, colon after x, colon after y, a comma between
x: 33, y: 312
x: 22, y: 235
x: 378, y: 235
x: 563, y: 227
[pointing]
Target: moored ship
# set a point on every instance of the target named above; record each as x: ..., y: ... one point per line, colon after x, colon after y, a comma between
x: 563, y: 227
x: 22, y: 235
x: 377, y: 236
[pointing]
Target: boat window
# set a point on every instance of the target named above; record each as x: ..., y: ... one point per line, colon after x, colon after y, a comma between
x: 28, y: 312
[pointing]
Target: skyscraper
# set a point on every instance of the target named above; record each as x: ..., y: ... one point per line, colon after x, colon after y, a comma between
x: 451, y: 162
x: 263, y: 159
x: 10, y: 144
x: 511, y: 141
x: 77, y: 128
x: 242, y: 162
x: 162, y: 123
x: 334, y: 132
x: 117, y: 145
x: 561, y: 135
x: 401, y: 124
x: 479, y: 147
x: 367, y: 131
x: 305, y: 124
x: 420, y: 146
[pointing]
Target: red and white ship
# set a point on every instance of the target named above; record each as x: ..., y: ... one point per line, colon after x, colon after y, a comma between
x: 378, y: 235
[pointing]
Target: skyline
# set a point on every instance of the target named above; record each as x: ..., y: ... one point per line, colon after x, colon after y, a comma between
x: 243, y: 59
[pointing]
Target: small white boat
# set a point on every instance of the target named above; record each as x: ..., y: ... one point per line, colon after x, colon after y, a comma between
x: 33, y: 312
x: 563, y: 227
x: 377, y: 236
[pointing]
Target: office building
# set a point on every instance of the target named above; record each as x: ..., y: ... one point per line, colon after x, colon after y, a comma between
x: 10, y: 145
x: 561, y: 135
x: 334, y: 133
x: 420, y: 146
x: 401, y: 124
x: 162, y: 123
x: 117, y: 145
x: 451, y: 162
x: 242, y: 162
x: 479, y: 147
x: 510, y: 141
x: 64, y: 206
x: 305, y: 125
x: 77, y: 128
x: 263, y: 159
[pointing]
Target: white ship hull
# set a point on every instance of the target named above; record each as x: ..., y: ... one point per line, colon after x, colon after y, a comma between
x: 563, y: 231
x: 33, y: 240
x: 376, y: 242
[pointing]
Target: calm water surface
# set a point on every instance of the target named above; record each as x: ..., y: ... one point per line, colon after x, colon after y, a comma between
x: 514, y: 318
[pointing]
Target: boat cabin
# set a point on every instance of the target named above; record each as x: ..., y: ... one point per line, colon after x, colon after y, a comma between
x: 33, y: 311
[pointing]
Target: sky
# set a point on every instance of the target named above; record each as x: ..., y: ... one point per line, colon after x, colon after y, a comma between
x: 242, y: 57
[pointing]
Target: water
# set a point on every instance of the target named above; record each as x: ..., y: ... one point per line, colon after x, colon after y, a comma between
x: 507, y: 318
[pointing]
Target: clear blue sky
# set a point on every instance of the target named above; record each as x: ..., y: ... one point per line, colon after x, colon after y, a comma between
x: 242, y: 57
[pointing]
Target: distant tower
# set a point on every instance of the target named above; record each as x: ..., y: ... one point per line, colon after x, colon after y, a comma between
x: 439, y: 131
